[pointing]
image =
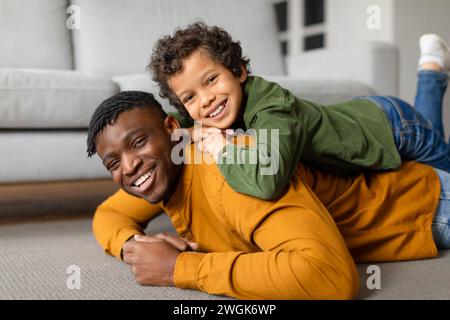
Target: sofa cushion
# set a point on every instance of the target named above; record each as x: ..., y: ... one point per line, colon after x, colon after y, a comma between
x: 33, y: 34
x: 142, y: 82
x: 47, y: 155
x: 31, y: 98
x: 323, y: 91
x: 117, y: 36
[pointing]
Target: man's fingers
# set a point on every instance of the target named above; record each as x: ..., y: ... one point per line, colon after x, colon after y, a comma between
x: 128, y: 247
x: 128, y: 258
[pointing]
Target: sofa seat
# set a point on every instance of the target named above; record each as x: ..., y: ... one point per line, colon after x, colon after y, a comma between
x: 50, y: 99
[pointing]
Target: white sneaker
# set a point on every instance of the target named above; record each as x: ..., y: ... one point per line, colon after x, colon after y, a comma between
x: 434, y: 49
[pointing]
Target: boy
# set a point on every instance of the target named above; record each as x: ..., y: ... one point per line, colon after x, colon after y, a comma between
x: 202, y: 72
x: 303, y: 246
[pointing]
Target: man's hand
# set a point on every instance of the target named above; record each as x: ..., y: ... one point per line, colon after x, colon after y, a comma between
x: 153, y: 258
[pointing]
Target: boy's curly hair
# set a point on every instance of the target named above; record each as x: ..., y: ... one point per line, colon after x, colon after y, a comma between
x: 170, y: 51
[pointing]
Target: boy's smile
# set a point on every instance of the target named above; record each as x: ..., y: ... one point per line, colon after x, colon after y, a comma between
x: 210, y: 92
x: 136, y: 150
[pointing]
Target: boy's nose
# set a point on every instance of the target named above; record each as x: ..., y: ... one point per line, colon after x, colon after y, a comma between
x: 206, y: 99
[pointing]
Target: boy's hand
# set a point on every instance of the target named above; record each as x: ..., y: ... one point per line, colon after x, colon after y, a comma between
x: 214, y: 140
x: 181, y: 244
x: 153, y: 258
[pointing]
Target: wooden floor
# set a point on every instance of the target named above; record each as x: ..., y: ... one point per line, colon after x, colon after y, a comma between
x: 52, y: 200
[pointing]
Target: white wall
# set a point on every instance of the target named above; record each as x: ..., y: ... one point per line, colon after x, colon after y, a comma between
x: 347, y: 22
x: 412, y: 19
x: 402, y: 23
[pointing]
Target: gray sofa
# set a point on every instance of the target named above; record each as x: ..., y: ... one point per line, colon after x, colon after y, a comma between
x: 51, y: 79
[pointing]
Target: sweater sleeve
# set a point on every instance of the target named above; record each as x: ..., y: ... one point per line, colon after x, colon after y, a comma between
x: 120, y: 217
x: 265, y: 169
x: 301, y: 253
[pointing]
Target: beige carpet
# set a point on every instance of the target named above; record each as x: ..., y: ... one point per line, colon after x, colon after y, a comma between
x: 34, y: 259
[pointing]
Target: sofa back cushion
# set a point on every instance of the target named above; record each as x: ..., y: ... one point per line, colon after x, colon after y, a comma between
x: 33, y: 34
x: 117, y: 36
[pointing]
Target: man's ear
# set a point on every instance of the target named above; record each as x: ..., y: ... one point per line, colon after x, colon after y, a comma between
x: 244, y: 74
x: 171, y: 124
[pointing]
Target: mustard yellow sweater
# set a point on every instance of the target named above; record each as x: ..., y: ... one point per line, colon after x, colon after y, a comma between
x: 303, y: 246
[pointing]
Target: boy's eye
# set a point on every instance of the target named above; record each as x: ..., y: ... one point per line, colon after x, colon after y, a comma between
x: 212, y: 78
x: 187, y: 99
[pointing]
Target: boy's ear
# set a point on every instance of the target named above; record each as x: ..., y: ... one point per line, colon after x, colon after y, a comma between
x: 244, y: 74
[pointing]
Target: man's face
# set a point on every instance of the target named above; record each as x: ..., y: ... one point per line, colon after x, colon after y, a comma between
x: 209, y: 91
x: 136, y: 151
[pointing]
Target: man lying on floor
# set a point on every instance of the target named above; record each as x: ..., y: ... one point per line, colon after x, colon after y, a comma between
x: 302, y: 246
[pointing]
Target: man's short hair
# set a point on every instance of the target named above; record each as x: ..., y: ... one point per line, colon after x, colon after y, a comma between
x: 110, y: 109
x: 170, y: 51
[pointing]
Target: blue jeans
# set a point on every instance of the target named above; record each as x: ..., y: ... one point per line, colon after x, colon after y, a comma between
x: 441, y: 221
x: 419, y: 135
x: 418, y: 131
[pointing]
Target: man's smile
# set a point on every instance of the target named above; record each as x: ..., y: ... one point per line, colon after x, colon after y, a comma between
x: 144, y: 181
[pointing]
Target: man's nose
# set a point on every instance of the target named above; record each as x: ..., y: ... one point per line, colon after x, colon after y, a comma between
x: 130, y: 164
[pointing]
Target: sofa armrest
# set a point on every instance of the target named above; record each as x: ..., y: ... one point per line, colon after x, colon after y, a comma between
x: 373, y: 63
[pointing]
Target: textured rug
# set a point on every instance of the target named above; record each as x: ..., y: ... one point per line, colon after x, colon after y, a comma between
x: 38, y: 260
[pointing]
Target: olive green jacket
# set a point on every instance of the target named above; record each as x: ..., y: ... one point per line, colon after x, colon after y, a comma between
x: 343, y: 138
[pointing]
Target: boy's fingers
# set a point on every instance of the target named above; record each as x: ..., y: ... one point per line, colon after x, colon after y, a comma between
x: 192, y: 245
x: 173, y: 240
x: 181, y: 244
x: 229, y: 132
x: 200, y: 146
x: 210, y: 130
x: 138, y: 237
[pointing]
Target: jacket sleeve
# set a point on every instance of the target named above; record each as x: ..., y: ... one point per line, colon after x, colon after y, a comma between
x: 265, y: 169
x: 120, y: 217
x: 301, y: 254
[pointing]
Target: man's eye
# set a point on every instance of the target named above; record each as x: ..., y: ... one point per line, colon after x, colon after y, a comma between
x: 139, y: 143
x: 113, y: 166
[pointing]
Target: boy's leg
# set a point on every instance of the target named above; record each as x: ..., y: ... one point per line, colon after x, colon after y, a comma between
x: 441, y: 220
x: 431, y: 86
x: 415, y: 137
x: 419, y: 133
x: 434, y: 63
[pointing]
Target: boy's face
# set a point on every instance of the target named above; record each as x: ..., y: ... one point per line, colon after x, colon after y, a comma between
x: 136, y: 151
x: 210, y: 92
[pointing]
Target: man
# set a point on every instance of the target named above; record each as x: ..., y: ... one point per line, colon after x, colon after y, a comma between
x: 302, y: 246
